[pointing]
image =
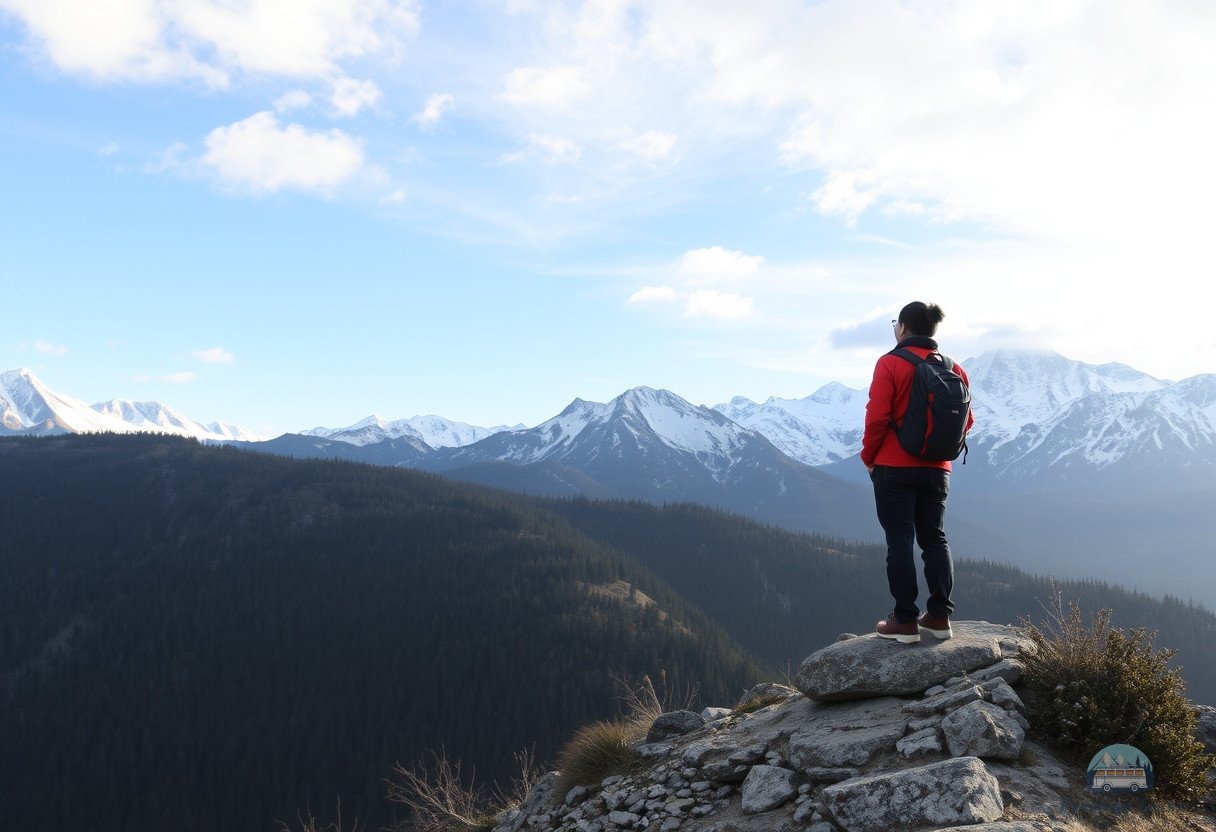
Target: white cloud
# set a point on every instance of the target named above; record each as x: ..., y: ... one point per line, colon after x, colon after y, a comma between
x: 349, y: 96
x: 208, y: 40
x: 259, y: 155
x: 551, y: 88
x: 215, y: 355
x: 291, y: 101
x: 708, y: 303
x: 395, y: 198
x: 702, y: 265
x: 651, y: 145
x: 552, y: 149
x: 47, y: 348
x: 648, y: 294
x: 179, y: 378
x: 109, y: 149
x: 436, y: 106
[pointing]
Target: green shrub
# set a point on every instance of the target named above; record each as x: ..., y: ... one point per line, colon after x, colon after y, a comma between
x: 596, y: 751
x: 1094, y: 686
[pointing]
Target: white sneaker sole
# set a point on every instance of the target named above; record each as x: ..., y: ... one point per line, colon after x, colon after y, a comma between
x: 941, y: 634
x: 902, y: 639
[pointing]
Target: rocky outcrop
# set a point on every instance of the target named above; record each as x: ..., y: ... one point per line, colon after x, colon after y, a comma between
x: 915, y: 738
x: 866, y: 666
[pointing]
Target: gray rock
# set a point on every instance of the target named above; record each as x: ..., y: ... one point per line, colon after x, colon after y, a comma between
x: 998, y: 826
x: 923, y: 723
x: 958, y: 791
x: 998, y: 692
x: 538, y: 796
x: 1205, y: 727
x: 1011, y: 670
x: 873, y: 666
x: 701, y: 786
x: 804, y: 812
x: 575, y: 795
x: 623, y: 818
x: 747, y: 756
x: 674, y: 724
x: 821, y: 826
x: 763, y: 691
x: 924, y: 741
x: 981, y: 729
x: 943, y: 702
x: 768, y: 787
x: 935, y: 690
x: 848, y: 734
x: 724, y: 771
x: 654, y: 750
x: 723, y: 791
x: 670, y: 825
x: 657, y: 790
x: 817, y: 774
x: 694, y: 754
x: 846, y: 636
x: 701, y: 811
x: 711, y: 714
x: 608, y: 782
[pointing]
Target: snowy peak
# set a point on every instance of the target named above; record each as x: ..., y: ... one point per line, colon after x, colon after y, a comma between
x: 27, y: 405
x: 433, y: 431
x: 821, y: 428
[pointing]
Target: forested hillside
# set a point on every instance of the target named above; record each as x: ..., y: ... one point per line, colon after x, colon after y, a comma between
x: 783, y: 595
x: 202, y: 638
x: 198, y: 638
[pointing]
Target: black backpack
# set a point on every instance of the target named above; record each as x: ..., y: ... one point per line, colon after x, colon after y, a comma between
x: 935, y: 424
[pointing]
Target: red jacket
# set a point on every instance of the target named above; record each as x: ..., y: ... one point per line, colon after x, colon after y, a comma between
x: 889, y: 392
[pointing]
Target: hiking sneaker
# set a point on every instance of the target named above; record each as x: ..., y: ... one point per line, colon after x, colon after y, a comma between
x: 903, y: 633
x: 935, y: 625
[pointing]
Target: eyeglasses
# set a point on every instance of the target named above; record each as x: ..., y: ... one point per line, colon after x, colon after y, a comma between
x: 894, y: 324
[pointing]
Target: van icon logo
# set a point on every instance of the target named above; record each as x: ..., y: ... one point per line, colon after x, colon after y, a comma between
x: 1120, y: 768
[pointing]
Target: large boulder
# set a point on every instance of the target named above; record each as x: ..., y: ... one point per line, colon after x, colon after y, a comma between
x: 981, y: 729
x: 958, y: 791
x: 674, y: 724
x: 768, y: 787
x: 848, y: 734
x: 872, y: 666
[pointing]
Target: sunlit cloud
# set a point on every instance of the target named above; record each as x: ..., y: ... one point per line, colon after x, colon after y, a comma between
x: 215, y: 355
x: 261, y: 156
x: 717, y: 263
x: 350, y: 95
x: 650, y: 294
x: 709, y: 303
x: 547, y: 88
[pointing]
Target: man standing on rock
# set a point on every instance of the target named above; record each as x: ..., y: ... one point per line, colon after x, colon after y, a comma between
x: 910, y: 466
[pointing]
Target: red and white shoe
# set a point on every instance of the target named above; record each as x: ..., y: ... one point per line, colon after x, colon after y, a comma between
x: 935, y: 625
x: 903, y: 633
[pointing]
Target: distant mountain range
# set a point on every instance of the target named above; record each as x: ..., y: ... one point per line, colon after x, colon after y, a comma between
x: 1073, y: 468
x: 27, y: 406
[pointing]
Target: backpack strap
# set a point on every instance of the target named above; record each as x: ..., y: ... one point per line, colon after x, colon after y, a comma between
x: 915, y: 360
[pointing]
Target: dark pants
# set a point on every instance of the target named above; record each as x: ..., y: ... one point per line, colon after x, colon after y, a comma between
x: 911, y: 506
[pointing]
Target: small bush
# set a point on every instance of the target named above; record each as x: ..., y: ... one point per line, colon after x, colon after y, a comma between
x: 1093, y: 686
x: 596, y: 751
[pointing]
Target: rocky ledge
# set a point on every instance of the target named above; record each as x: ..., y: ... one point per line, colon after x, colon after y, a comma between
x: 878, y: 736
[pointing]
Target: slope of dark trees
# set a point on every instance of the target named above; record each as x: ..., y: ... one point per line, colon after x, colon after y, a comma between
x: 201, y: 638
x: 782, y: 594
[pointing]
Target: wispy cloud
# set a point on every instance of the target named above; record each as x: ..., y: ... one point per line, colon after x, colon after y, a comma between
x: 549, y: 88
x: 710, y: 303
x: 47, y: 348
x: 350, y: 95
x: 650, y: 294
x: 185, y: 377
x: 210, y: 40
x: 717, y: 263
x: 433, y: 111
x: 215, y: 355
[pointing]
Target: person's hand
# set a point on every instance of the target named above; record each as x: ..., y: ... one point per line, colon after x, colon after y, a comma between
x: 869, y: 469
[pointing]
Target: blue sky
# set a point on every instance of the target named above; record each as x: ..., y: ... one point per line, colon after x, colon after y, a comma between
x: 296, y: 214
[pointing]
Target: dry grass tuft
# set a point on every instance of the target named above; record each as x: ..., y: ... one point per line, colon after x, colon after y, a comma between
x: 597, y: 751
x: 308, y: 823
x: 439, y: 800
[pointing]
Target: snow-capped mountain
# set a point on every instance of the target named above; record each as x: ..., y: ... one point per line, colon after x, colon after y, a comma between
x: 821, y: 428
x: 1040, y: 417
x: 435, y: 431
x: 653, y: 445
x: 28, y: 406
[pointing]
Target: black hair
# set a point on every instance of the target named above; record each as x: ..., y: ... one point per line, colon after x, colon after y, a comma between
x: 921, y: 318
